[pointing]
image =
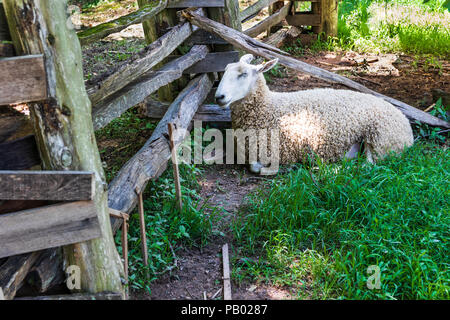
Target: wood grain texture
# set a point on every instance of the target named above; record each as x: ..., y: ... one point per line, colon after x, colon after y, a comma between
x: 151, y: 160
x: 272, y: 20
x: 196, y: 3
x: 207, y: 112
x: 14, y: 271
x: 304, y: 19
x: 46, y: 185
x: 23, y: 79
x: 48, y: 227
x: 204, y: 37
x: 213, y: 62
x: 19, y: 154
x: 138, y: 90
x: 244, y: 42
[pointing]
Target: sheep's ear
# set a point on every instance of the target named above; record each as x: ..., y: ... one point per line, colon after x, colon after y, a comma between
x: 268, y: 65
x: 247, y: 58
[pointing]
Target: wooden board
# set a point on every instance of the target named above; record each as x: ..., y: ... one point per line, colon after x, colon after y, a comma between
x: 48, y: 227
x: 304, y: 19
x: 4, y: 31
x: 19, y: 154
x: 214, y: 62
x: 270, y: 21
x: 23, y: 79
x: 196, y: 4
x: 204, y: 37
x: 254, y: 9
x: 46, y: 185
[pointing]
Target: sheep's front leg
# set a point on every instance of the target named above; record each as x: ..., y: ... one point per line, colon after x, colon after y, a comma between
x: 353, y: 152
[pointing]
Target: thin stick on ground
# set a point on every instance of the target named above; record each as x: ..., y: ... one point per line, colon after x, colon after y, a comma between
x: 2, y: 296
x: 143, y: 232
x: 124, y: 217
x: 176, y: 173
x: 226, y: 273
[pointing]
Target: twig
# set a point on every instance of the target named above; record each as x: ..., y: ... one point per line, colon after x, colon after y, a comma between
x: 215, y: 294
x: 125, y: 217
x: 2, y: 296
x: 226, y: 273
x: 176, y: 174
x: 204, y: 296
x: 142, y: 225
x: 430, y: 107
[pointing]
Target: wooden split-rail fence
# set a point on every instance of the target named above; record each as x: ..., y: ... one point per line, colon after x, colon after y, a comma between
x: 66, y: 204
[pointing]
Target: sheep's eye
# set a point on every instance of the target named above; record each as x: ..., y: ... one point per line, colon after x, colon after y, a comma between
x: 242, y: 75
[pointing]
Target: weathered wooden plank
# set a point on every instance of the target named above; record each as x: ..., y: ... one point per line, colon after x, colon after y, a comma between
x: 48, y: 227
x: 141, y: 88
x: 196, y: 4
x: 14, y: 271
x: 102, y: 30
x: 304, y: 19
x: 244, y: 42
x: 4, y: 31
x: 19, y: 154
x: 268, y: 22
x: 213, y: 62
x: 147, y: 59
x: 46, y: 185
x: 13, y: 124
x: 207, y: 112
x: 23, y: 79
x: 255, y: 9
x: 151, y: 159
x: 278, y: 38
x: 6, y: 50
x: 204, y: 37
x: 78, y: 296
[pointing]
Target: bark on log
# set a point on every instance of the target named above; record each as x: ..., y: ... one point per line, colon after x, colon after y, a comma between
x: 151, y: 159
x: 14, y: 271
x: 244, y: 42
x: 147, y: 59
x: 63, y: 126
x: 102, y: 30
x: 269, y: 22
x: 279, y: 38
x: 142, y: 87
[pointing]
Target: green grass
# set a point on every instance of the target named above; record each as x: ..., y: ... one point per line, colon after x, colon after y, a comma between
x: 318, y: 229
x: 410, y: 26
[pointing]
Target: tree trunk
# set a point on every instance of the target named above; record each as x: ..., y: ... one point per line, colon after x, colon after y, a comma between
x: 63, y: 127
x: 329, y: 17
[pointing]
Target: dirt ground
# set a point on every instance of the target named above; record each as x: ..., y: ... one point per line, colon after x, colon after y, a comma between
x: 199, y: 272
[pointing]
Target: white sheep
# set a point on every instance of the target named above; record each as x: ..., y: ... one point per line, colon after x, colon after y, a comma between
x: 326, y: 122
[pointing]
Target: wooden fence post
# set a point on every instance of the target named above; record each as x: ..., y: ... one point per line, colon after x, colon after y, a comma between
x: 329, y: 17
x: 63, y: 127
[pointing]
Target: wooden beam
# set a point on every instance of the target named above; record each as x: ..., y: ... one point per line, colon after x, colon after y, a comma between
x: 46, y: 185
x: 279, y: 38
x: 202, y: 37
x: 63, y: 127
x: 151, y: 159
x: 78, y: 296
x: 226, y: 273
x: 244, y: 42
x: 196, y: 3
x: 272, y: 20
x: 207, y: 112
x: 255, y: 9
x: 48, y: 227
x: 19, y: 154
x: 146, y: 59
x: 102, y: 30
x: 22, y: 80
x: 14, y: 271
x: 138, y: 90
x: 304, y: 19
x: 213, y: 62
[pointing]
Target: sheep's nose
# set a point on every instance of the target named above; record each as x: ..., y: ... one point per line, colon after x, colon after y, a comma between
x: 219, y: 98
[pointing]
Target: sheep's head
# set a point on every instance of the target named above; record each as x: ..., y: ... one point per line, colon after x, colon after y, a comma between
x: 239, y: 79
